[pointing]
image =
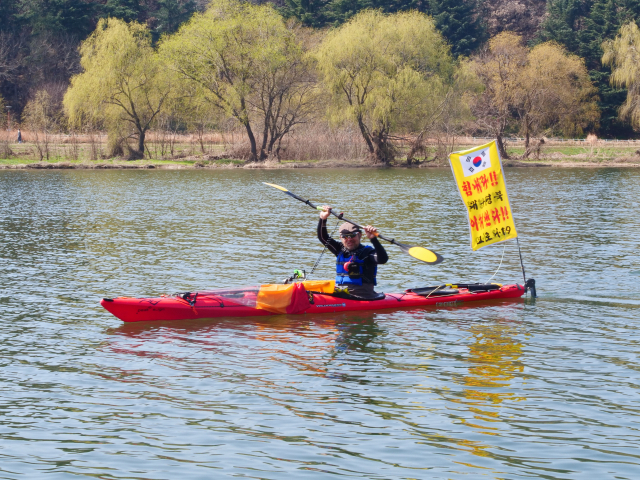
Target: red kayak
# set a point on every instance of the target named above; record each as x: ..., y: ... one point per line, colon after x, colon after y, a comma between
x: 299, y: 298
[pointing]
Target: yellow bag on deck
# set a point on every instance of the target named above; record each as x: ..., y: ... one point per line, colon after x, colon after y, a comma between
x: 278, y: 298
x: 322, y: 286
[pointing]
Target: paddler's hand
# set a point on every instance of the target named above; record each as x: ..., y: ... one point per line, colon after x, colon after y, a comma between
x: 370, y: 231
x: 326, y: 211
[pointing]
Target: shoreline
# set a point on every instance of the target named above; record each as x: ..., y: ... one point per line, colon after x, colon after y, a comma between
x: 270, y: 165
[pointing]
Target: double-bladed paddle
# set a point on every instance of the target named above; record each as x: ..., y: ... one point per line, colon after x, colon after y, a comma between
x: 419, y: 253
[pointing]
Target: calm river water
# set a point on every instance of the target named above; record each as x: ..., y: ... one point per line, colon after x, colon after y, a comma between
x: 529, y: 389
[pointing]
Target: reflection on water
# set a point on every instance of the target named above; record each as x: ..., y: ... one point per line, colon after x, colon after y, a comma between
x: 535, y: 389
x: 356, y: 335
x: 493, y: 362
x: 494, y: 357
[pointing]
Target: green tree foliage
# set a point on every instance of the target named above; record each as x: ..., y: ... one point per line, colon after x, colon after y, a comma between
x: 170, y: 14
x: 443, y: 115
x: 457, y: 20
x: 555, y: 94
x: 79, y: 17
x: 544, y: 90
x: 124, y: 85
x: 341, y: 11
x: 9, y: 16
x: 39, y: 39
x: 623, y: 56
x: 459, y: 23
x: 311, y: 13
x: 40, y: 113
x: 70, y: 17
x: 561, y: 23
x: 42, y: 118
x: 127, y: 10
x: 499, y: 66
x: 378, y: 69
x: 321, y: 13
x: 581, y: 27
x: 161, y: 16
x: 602, y: 23
x: 192, y: 110
x: 246, y: 62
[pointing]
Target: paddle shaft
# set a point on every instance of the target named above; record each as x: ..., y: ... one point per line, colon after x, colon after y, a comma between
x: 419, y: 253
x: 340, y: 217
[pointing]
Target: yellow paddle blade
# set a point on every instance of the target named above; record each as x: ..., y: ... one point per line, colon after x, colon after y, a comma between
x: 424, y: 255
x: 276, y: 186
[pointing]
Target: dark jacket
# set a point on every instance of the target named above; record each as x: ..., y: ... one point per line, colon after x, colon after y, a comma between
x: 368, y: 259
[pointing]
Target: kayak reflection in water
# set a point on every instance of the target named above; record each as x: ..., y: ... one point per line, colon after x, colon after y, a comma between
x: 356, y: 264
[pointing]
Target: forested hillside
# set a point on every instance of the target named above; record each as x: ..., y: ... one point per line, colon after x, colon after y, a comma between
x: 39, y: 39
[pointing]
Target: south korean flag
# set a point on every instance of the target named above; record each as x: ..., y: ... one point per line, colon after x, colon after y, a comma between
x: 475, y: 162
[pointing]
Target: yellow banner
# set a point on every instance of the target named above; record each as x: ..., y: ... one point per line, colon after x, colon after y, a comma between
x: 479, y: 175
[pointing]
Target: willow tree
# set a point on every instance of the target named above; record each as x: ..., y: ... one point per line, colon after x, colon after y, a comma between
x: 42, y: 118
x: 623, y: 56
x: 499, y: 67
x: 124, y: 85
x: 444, y: 113
x: 190, y: 108
x: 555, y: 94
x: 247, y: 63
x: 544, y: 89
x: 378, y: 69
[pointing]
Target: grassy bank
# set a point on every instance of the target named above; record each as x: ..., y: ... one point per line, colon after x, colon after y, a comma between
x: 320, y: 151
x: 9, y: 163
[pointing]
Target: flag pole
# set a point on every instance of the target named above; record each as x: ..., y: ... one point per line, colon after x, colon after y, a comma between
x: 528, y: 284
x: 524, y: 277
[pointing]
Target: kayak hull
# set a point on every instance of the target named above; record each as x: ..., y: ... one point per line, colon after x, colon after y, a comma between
x: 210, y: 306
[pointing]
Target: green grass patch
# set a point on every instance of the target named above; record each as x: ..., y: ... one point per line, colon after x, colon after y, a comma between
x: 15, y: 161
x: 586, y: 152
x: 227, y: 161
x: 550, y: 153
x: 150, y: 161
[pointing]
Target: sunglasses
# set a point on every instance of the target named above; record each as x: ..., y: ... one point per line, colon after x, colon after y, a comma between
x: 348, y: 235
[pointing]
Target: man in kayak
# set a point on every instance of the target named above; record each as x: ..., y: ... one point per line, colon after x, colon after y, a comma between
x: 356, y: 264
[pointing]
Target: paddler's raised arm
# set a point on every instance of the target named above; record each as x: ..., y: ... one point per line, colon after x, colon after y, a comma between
x: 323, y: 235
x: 381, y: 255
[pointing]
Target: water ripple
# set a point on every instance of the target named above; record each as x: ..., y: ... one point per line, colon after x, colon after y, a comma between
x: 531, y: 389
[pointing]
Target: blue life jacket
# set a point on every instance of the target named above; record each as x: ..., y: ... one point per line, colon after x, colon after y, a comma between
x: 358, y: 272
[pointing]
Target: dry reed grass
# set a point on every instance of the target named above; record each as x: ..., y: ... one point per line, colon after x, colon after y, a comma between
x: 319, y: 142
x: 313, y: 143
x: 5, y: 149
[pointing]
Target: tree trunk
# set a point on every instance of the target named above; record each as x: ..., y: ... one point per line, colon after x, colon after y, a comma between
x: 416, y: 146
x: 365, y: 135
x: 501, y: 149
x: 264, y: 153
x: 382, y: 150
x: 527, y: 150
x: 200, y: 139
x: 272, y: 142
x: 527, y: 140
x: 139, y: 153
x: 252, y: 141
